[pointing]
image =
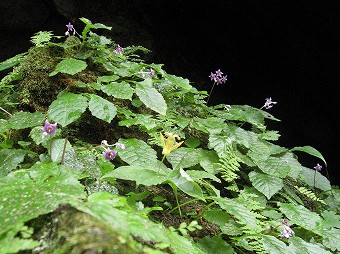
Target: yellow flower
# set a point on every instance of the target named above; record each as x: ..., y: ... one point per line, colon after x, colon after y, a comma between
x: 170, y: 143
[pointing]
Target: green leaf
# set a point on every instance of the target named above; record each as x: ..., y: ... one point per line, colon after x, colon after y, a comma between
x: 137, y: 152
x: 69, y: 66
x: 299, y: 246
x: 321, y: 182
x: 58, y: 149
x: 151, y: 97
x: 139, y: 174
x: 120, y: 90
x: 67, y: 108
x: 22, y: 120
x: 42, y: 189
x: 10, y: 242
x: 301, y: 216
x: 3, y: 125
x: 184, y: 157
x: 107, y: 79
x: 331, y: 239
x: 310, y: 150
x: 239, y: 211
x: 13, y: 61
x: 214, y: 245
x: 101, y: 108
x: 274, y: 246
x: 178, y: 81
x: 331, y: 219
x: 184, y: 182
x: 266, y: 184
x: 10, y: 159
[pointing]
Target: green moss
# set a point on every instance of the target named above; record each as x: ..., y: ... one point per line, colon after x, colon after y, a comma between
x: 73, y: 232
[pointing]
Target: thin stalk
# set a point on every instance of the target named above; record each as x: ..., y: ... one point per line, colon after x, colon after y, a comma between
x: 50, y: 147
x: 63, y: 155
x: 210, y: 92
x: 4, y: 110
x: 185, y: 203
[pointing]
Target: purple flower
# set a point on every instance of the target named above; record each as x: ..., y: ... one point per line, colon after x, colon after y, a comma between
x: 286, y: 230
x: 119, y: 50
x: 217, y: 77
x: 70, y: 28
x: 269, y: 103
x: 49, y: 128
x: 318, y: 167
x: 120, y: 145
x: 219, y: 73
x: 110, y: 154
x: 152, y: 73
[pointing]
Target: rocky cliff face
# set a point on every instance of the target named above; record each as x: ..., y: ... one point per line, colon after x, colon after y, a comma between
x: 284, y: 50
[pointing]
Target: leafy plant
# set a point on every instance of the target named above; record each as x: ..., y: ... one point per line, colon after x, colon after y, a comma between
x: 94, y: 140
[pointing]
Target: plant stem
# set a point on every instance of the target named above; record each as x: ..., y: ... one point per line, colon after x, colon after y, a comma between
x: 173, y: 209
x: 4, y: 110
x: 210, y: 92
x: 50, y: 147
x: 63, y: 155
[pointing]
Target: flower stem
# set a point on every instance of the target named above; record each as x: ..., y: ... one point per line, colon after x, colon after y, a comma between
x: 210, y: 92
x: 4, y: 110
x: 50, y: 147
x: 63, y: 155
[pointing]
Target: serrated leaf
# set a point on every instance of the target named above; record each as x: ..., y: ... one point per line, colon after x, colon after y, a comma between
x: 22, y: 120
x: 214, y: 245
x: 273, y: 245
x: 42, y: 189
x: 310, y: 150
x: 101, y: 108
x: 120, y: 90
x: 301, y: 216
x: 137, y: 152
x: 178, y: 81
x: 139, y: 174
x: 266, y: 184
x: 331, y: 239
x: 107, y: 79
x: 10, y: 159
x: 184, y: 157
x: 69, y: 66
x: 299, y: 246
x: 67, y: 108
x: 321, y: 182
x: 151, y: 97
x: 239, y: 211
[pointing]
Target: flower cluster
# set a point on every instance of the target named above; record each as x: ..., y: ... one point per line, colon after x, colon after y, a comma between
x: 218, y: 77
x: 108, y: 153
x: 119, y: 50
x: 269, y: 103
x: 49, y: 128
x: 286, y: 230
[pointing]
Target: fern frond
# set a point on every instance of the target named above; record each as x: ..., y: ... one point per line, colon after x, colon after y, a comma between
x: 41, y: 38
x: 309, y: 194
x: 229, y: 165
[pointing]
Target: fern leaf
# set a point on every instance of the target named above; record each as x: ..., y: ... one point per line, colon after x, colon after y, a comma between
x: 309, y: 194
x: 41, y: 38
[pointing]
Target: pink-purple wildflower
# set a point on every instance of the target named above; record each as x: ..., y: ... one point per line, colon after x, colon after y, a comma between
x: 70, y: 28
x: 286, y: 230
x: 119, y: 50
x: 218, y: 77
x: 269, y: 103
x: 318, y: 167
x: 49, y: 128
x: 110, y: 154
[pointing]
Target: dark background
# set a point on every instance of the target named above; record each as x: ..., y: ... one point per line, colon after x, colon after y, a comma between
x: 287, y: 50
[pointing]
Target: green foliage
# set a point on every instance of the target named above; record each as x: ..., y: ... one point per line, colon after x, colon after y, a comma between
x: 41, y: 38
x: 221, y: 186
